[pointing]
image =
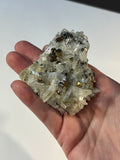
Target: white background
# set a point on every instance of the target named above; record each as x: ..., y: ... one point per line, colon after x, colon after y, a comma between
x: 22, y: 135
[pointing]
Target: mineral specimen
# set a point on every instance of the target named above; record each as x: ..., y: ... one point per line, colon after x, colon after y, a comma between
x: 61, y: 76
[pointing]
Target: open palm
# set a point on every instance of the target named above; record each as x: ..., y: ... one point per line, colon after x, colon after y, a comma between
x: 92, y: 134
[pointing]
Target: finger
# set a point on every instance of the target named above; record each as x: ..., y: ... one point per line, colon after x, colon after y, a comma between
x: 44, y: 48
x: 50, y: 117
x: 28, y: 50
x: 17, y: 62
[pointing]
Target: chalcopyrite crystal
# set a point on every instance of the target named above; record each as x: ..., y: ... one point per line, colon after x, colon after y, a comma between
x: 61, y: 76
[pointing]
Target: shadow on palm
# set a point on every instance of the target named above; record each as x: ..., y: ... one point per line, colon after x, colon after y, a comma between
x: 85, y: 131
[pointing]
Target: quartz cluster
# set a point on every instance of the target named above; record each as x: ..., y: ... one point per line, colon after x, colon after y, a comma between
x: 61, y: 76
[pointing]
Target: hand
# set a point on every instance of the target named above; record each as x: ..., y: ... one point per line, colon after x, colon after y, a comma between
x: 92, y: 134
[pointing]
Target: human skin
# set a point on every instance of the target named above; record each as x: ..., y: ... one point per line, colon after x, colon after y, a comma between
x: 94, y: 132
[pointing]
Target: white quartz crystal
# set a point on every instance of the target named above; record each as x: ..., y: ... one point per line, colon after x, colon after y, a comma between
x: 61, y: 76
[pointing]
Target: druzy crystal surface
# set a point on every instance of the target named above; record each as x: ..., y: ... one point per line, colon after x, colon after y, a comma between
x: 61, y: 76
